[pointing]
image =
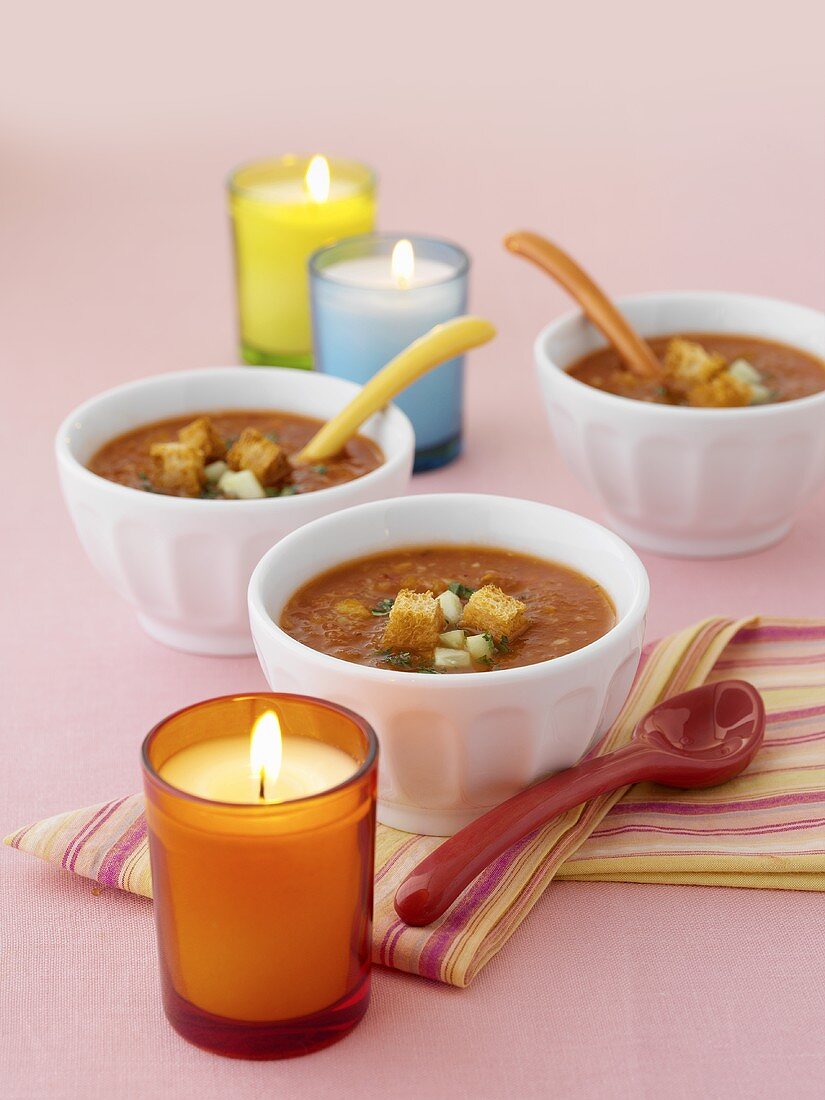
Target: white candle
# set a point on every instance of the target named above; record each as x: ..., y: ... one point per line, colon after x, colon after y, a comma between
x: 221, y: 770
x: 376, y: 272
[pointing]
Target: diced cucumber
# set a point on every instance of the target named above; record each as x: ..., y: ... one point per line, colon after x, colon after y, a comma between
x: 480, y: 647
x: 243, y: 485
x: 215, y: 470
x: 760, y: 395
x: 743, y: 371
x: 452, y: 607
x: 452, y: 658
x: 453, y: 639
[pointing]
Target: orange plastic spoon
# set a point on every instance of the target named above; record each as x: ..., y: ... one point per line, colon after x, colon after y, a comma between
x: 635, y: 352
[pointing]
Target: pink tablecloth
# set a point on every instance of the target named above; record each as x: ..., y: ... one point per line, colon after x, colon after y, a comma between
x: 689, y: 158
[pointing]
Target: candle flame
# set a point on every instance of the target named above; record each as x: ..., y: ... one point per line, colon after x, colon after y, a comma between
x: 317, y: 179
x: 265, y: 749
x: 403, y: 263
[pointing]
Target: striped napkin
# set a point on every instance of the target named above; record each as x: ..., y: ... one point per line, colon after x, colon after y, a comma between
x: 763, y: 829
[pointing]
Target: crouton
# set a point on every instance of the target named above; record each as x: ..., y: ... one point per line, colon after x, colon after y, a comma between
x: 201, y: 435
x: 267, y: 461
x: 491, y: 611
x: 725, y: 391
x: 702, y: 378
x: 686, y: 363
x: 178, y: 468
x: 353, y: 609
x: 414, y: 623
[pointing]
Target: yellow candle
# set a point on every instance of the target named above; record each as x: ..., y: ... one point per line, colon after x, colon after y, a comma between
x: 282, y: 211
x: 225, y: 769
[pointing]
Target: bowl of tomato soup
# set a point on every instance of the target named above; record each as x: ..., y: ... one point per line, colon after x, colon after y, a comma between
x: 488, y: 640
x: 718, y: 469
x: 179, y: 483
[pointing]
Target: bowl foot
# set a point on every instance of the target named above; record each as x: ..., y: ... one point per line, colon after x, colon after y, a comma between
x: 690, y: 546
x: 427, y: 822
x: 205, y: 644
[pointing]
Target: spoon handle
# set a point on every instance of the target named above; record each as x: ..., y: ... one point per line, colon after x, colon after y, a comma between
x: 431, y: 888
x: 636, y: 352
x: 441, y: 343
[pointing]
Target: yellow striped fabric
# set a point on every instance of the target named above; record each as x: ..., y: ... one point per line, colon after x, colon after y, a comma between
x: 764, y: 829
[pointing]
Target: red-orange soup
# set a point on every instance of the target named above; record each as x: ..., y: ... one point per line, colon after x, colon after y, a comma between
x: 787, y: 372
x: 126, y: 458
x: 344, y: 612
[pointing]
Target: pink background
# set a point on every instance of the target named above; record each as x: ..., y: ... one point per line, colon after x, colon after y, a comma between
x: 668, y: 148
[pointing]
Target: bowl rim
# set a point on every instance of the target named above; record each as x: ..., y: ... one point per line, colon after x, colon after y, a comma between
x: 754, y: 412
x: 398, y: 423
x: 635, y: 613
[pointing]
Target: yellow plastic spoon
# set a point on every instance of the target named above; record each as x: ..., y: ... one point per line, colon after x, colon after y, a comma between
x: 441, y: 343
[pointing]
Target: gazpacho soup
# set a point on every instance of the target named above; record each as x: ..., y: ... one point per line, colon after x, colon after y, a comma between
x: 238, y: 454
x: 709, y: 370
x: 448, y: 609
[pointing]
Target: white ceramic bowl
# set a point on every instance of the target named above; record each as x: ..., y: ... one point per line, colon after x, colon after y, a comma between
x: 185, y: 564
x: 454, y: 746
x: 684, y: 481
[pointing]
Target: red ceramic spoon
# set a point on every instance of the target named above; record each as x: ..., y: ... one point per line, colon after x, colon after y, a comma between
x: 698, y: 739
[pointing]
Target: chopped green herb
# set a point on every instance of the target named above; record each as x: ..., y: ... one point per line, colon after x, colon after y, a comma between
x: 145, y: 484
x: 500, y: 646
x: 320, y: 469
x: 288, y: 491
x: 230, y: 442
x: 430, y: 671
x: 383, y: 607
x: 397, y: 660
x: 490, y: 658
x: 273, y: 436
x: 271, y: 492
x: 461, y: 590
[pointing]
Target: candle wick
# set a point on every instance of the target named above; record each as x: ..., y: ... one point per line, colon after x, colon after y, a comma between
x: 262, y: 788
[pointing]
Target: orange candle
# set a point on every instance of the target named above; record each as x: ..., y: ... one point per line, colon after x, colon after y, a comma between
x: 262, y: 864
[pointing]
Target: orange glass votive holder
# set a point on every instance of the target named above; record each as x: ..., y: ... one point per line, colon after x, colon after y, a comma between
x: 263, y: 910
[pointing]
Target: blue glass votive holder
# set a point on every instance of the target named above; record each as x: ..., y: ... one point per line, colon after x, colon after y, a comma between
x: 369, y: 300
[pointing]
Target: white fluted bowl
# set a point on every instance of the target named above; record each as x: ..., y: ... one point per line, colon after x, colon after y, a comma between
x: 690, y: 482
x: 183, y: 564
x: 454, y: 746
